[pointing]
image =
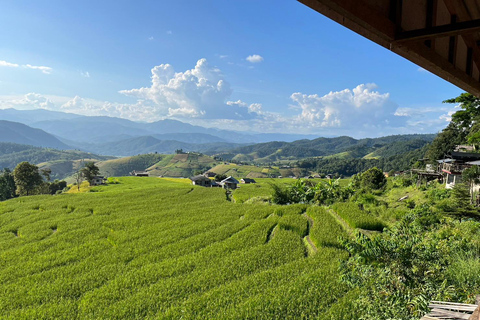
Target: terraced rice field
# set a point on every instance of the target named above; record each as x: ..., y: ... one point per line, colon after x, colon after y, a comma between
x: 161, y: 249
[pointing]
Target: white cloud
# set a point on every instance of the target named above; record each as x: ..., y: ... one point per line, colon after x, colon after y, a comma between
x: 169, y: 32
x: 28, y: 101
x: 85, y: 74
x: 151, y: 38
x: 255, y: 58
x: 46, y: 70
x: 359, y: 107
x: 8, y: 64
x: 201, y: 92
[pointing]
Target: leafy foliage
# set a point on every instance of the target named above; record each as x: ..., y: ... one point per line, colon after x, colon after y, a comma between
x: 402, y: 269
x: 373, y: 179
x: 26, y: 177
x: 89, y: 171
x: 304, y: 191
x: 7, y: 185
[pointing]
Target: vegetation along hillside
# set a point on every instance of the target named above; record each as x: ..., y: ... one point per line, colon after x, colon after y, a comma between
x: 12, y: 154
x: 182, y: 165
x: 340, y: 147
x: 162, y: 248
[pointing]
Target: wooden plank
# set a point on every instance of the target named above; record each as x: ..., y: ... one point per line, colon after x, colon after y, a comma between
x: 453, y: 307
x: 476, y: 314
x: 453, y: 303
x: 453, y: 29
x: 455, y: 315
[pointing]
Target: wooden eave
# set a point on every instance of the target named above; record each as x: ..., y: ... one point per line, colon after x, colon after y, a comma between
x: 441, y: 36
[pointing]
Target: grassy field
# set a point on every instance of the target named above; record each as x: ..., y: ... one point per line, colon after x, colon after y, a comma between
x: 161, y: 248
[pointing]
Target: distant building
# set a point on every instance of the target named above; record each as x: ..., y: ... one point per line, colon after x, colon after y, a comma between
x: 98, y: 180
x: 229, y: 183
x: 139, y: 173
x: 247, y: 180
x: 201, y: 180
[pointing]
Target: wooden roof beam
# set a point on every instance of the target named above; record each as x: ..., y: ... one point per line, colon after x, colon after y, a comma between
x: 454, y: 29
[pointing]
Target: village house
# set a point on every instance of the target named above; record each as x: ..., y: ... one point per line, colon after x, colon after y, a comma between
x: 452, y: 168
x: 98, y: 180
x: 201, y: 180
x: 139, y: 173
x: 229, y: 183
x: 247, y: 180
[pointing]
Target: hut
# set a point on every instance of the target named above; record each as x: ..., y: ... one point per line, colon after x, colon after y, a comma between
x: 229, y: 183
x: 201, y: 180
x: 247, y: 180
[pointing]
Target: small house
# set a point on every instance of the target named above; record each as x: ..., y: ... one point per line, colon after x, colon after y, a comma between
x: 201, y: 180
x: 140, y: 173
x: 229, y: 183
x: 247, y: 180
x: 98, y: 180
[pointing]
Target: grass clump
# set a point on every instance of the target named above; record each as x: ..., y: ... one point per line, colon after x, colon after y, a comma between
x: 357, y: 218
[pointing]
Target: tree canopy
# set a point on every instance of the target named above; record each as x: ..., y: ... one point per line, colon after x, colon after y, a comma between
x: 26, y: 177
x: 89, y: 171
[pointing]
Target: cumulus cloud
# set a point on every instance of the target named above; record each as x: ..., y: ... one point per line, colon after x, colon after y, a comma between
x: 8, y: 64
x: 28, y: 101
x: 201, y: 92
x: 360, y: 107
x: 43, y: 69
x: 254, y: 58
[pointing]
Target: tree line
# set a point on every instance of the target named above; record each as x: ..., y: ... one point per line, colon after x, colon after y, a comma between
x: 27, y: 179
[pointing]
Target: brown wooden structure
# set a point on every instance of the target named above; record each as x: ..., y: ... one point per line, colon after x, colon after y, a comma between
x: 441, y: 36
x: 451, y: 310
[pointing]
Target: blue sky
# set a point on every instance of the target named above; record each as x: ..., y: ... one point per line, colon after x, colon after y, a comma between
x: 266, y: 66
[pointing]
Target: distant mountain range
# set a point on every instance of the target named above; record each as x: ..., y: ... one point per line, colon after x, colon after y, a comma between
x: 15, y: 132
x: 340, y: 147
x: 121, y: 137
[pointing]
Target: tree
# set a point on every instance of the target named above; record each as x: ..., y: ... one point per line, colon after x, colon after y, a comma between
x: 26, y: 177
x: 46, y: 173
x: 78, y: 176
x: 219, y: 177
x: 7, y: 185
x: 89, y: 171
x: 373, y: 179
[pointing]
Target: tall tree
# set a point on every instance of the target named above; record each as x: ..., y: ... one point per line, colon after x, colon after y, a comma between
x: 26, y: 177
x: 89, y: 171
x: 7, y: 185
x: 78, y: 176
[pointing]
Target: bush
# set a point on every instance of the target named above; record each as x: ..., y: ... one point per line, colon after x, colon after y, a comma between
x: 373, y: 179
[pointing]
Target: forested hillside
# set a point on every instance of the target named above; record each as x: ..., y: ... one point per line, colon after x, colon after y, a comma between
x: 341, y: 147
x: 12, y: 154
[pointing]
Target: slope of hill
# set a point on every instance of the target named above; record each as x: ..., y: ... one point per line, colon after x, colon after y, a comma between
x: 12, y: 154
x: 182, y: 165
x: 123, y: 166
x: 342, y: 147
x: 16, y: 132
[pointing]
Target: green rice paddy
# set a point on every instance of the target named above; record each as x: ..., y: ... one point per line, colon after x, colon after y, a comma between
x: 150, y: 248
